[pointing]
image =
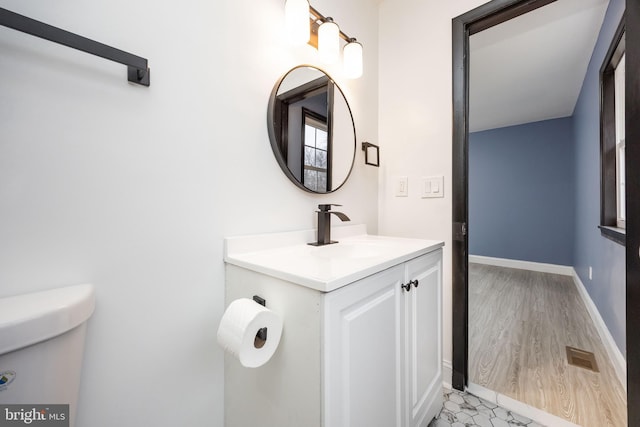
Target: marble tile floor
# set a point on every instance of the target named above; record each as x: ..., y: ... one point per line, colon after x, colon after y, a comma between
x: 465, y: 410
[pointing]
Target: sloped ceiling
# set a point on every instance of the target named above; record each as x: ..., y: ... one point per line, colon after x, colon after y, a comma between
x: 531, y: 68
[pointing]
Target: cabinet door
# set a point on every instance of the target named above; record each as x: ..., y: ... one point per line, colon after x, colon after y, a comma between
x: 362, y: 381
x: 423, y: 339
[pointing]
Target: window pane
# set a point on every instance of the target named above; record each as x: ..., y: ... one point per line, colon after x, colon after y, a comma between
x: 309, y: 156
x: 321, y: 159
x: 622, y: 213
x: 322, y: 181
x: 620, y: 181
x: 311, y: 180
x: 309, y: 136
x: 619, y: 99
x: 321, y: 139
x: 619, y: 77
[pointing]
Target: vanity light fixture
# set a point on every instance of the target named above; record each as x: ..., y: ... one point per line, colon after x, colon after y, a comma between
x: 329, y: 41
x: 352, y: 59
x: 297, y: 21
x: 306, y: 25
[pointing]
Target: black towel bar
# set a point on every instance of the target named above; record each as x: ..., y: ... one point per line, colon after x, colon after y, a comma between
x: 137, y: 68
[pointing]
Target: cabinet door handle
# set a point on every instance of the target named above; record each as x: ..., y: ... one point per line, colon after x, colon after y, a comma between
x: 415, y: 283
x: 406, y: 287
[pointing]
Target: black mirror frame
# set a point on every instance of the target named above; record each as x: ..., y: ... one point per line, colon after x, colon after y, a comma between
x: 271, y: 128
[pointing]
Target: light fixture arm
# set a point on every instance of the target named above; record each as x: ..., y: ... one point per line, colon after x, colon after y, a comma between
x: 321, y: 18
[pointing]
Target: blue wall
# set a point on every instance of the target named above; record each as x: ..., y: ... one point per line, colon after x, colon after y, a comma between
x: 607, y: 289
x: 521, y: 192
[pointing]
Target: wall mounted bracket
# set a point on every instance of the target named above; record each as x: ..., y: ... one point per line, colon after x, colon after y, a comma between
x: 371, y: 154
x: 261, y: 336
x: 137, y: 68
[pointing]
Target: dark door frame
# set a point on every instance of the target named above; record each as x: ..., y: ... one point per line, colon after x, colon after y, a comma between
x: 481, y: 18
x: 632, y: 200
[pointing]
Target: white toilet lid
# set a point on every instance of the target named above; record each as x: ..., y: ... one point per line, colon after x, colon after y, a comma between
x: 30, y: 318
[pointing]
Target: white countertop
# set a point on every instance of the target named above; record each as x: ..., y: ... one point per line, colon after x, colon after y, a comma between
x: 287, y: 255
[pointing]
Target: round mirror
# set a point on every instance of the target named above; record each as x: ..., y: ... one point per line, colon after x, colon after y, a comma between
x: 311, y: 130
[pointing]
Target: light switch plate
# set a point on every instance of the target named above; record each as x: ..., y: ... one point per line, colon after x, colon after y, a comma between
x: 402, y: 186
x: 432, y: 186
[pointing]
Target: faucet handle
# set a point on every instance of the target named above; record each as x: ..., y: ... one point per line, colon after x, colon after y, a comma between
x: 326, y: 207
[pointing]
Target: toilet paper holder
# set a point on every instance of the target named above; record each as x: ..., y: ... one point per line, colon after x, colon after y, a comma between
x: 261, y: 336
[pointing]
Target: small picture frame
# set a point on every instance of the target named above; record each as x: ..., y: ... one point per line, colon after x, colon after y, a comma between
x: 371, y: 154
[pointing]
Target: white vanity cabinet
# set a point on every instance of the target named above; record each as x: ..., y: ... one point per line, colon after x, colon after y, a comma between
x: 359, y: 347
x: 383, y: 347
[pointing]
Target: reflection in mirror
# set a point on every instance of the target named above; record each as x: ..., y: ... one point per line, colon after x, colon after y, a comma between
x: 311, y: 130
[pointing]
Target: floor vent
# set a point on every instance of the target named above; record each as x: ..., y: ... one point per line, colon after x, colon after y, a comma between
x: 582, y: 359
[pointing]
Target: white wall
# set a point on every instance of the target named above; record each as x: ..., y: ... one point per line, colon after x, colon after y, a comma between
x: 415, y: 122
x: 133, y: 188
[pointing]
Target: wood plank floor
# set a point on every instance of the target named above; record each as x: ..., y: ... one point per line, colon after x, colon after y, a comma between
x: 519, y: 325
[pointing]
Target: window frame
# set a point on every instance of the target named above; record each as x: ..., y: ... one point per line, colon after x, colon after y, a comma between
x: 322, y: 125
x: 609, y: 226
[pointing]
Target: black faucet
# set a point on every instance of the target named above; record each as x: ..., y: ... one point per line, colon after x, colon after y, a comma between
x: 324, y: 224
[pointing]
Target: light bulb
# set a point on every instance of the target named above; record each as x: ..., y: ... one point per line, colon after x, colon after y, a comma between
x: 329, y: 41
x: 352, y: 57
x: 297, y: 21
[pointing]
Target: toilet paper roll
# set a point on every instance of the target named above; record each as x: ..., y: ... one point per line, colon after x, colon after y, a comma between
x: 239, y: 328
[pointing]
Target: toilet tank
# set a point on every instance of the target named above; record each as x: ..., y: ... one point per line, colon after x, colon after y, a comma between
x: 41, y: 347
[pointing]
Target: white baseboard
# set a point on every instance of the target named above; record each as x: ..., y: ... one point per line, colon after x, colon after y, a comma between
x: 535, y: 414
x: 447, y: 374
x: 615, y: 355
x: 565, y: 270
